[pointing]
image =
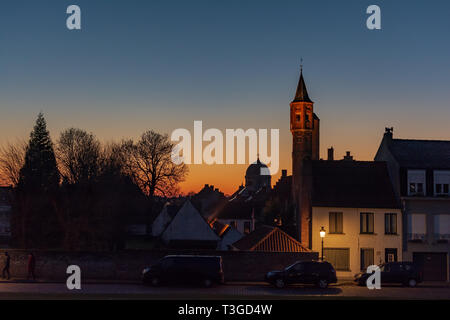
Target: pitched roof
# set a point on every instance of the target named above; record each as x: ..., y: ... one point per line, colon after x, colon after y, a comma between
x: 269, y: 239
x: 301, y: 95
x: 188, y: 224
x: 421, y: 153
x: 352, y: 184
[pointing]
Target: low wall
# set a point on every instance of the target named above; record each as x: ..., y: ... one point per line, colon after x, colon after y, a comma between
x: 128, y: 265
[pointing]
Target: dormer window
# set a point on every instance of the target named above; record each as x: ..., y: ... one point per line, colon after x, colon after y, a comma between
x: 441, y: 183
x: 416, y: 182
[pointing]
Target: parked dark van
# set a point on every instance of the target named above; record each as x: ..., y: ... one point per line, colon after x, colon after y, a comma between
x: 184, y: 269
x: 320, y: 273
x: 406, y: 273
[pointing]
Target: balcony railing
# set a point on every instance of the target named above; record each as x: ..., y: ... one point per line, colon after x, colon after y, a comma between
x: 442, y: 237
x: 419, y: 237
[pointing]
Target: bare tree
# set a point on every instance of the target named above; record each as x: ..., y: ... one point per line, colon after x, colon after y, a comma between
x: 148, y: 162
x: 78, y: 154
x: 12, y: 158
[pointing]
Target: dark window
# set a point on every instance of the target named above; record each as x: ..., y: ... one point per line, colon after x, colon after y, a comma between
x: 366, y: 225
x: 247, y: 227
x: 167, y: 263
x: 297, y: 118
x: 366, y: 258
x: 416, y: 188
x: 442, y: 189
x: 338, y: 257
x: 420, y: 188
x: 299, y: 267
x: 390, y: 223
x: 233, y: 224
x: 336, y: 222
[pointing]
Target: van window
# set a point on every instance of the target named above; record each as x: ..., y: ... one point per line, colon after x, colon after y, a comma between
x: 167, y: 263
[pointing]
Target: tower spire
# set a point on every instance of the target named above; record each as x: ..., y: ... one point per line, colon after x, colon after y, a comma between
x: 301, y: 95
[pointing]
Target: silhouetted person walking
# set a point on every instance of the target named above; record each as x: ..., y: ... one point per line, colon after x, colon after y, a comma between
x: 31, y: 266
x: 6, y: 267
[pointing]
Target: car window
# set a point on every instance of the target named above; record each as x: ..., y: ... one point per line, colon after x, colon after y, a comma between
x: 395, y: 267
x: 167, y: 263
x: 309, y: 266
x: 299, y: 267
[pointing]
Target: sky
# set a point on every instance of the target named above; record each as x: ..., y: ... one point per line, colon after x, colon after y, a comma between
x: 140, y: 65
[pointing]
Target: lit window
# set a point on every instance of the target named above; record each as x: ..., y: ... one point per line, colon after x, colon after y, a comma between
x: 366, y: 223
x: 336, y: 222
x: 390, y: 223
x: 247, y: 227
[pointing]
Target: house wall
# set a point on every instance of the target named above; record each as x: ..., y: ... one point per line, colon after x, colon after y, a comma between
x: 430, y: 207
x: 351, y: 237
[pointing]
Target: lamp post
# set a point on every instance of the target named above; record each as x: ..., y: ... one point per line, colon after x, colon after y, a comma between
x: 322, y: 235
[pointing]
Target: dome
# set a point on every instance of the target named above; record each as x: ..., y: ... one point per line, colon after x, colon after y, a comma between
x: 256, y: 168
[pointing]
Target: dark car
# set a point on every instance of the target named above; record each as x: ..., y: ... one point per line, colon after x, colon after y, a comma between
x: 406, y: 273
x: 320, y: 273
x: 183, y: 269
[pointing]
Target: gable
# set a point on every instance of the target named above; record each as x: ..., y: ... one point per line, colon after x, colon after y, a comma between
x: 188, y: 224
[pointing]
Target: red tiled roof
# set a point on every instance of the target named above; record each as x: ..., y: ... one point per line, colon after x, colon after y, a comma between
x: 269, y: 239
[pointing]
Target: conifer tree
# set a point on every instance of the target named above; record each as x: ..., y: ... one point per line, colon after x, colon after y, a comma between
x: 40, y: 172
x: 34, y: 221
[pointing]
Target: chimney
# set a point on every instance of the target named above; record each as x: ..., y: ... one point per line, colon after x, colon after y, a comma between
x: 388, y: 134
x: 330, y: 154
x: 348, y: 157
x: 283, y: 173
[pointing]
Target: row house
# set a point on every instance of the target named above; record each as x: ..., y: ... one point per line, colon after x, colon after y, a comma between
x: 420, y: 173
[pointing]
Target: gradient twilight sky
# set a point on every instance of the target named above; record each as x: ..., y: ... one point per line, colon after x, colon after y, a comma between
x: 139, y: 65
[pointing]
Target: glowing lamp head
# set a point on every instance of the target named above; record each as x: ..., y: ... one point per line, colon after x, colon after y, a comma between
x: 322, y: 232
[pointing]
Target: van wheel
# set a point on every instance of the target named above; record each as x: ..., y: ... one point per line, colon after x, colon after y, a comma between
x: 412, y: 283
x: 207, y: 283
x: 280, y: 283
x: 322, y: 284
x: 155, y: 281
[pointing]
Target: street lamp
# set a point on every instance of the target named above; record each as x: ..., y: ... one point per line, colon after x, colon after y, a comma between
x: 322, y: 235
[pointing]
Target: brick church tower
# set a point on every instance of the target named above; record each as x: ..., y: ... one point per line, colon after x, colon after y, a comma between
x: 305, y: 147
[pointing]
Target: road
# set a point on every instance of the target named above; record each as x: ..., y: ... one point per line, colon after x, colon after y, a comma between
x: 233, y: 291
